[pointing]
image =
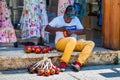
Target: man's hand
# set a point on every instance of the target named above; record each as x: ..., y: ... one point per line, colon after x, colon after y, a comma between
x: 69, y: 32
x: 78, y: 32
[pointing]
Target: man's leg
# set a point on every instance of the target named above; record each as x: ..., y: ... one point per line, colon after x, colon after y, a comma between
x: 67, y: 45
x: 86, y: 48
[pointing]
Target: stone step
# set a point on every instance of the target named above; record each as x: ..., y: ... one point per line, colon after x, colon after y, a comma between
x: 18, y: 59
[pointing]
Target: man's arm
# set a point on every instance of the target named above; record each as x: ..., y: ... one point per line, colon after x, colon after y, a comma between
x: 78, y: 32
x: 54, y: 29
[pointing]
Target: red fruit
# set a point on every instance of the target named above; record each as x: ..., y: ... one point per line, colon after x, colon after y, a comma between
x: 41, y: 71
x: 65, y: 34
x: 45, y: 50
x: 52, y: 71
x: 50, y: 48
x: 57, y: 70
x: 47, y: 72
x: 38, y: 50
x: 27, y: 49
x: 33, y: 48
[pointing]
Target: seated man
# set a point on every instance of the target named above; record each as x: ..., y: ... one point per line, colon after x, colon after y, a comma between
x: 67, y: 27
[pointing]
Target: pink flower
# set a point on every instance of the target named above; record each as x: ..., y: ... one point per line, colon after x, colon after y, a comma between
x: 31, y: 32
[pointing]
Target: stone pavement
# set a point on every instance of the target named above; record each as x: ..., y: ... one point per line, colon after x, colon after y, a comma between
x: 99, y: 72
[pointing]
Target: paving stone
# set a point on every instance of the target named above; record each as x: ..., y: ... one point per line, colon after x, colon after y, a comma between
x: 99, y: 72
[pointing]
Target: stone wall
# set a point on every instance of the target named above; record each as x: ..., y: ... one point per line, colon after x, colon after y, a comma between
x: 19, y: 59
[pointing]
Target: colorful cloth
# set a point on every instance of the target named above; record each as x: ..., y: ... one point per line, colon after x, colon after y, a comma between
x: 62, y: 5
x: 34, y: 19
x: 7, y: 32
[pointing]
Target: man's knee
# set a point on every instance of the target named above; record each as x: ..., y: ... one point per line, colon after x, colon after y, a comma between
x: 73, y: 40
x: 91, y: 43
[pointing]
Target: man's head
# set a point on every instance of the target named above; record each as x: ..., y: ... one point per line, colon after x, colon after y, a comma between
x: 69, y: 13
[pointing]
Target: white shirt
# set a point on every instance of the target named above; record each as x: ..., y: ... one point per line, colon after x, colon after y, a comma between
x: 60, y: 22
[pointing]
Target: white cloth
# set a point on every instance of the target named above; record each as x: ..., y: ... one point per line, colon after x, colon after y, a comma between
x: 59, y: 22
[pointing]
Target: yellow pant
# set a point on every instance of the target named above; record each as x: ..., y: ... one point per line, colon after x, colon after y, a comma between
x: 69, y: 44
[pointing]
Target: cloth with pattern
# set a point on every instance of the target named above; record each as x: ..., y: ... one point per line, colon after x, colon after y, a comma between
x: 34, y: 19
x: 7, y: 32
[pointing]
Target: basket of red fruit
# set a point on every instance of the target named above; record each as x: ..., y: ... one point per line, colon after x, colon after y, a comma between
x: 43, y: 68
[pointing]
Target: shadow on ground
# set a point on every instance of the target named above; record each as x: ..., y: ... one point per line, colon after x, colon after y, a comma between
x: 14, y: 71
x: 116, y: 73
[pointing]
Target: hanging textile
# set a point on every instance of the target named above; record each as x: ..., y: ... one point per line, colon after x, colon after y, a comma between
x: 100, y: 13
x: 16, y: 9
x: 13, y: 4
x: 44, y: 20
x: 7, y: 32
x: 83, y: 8
x: 34, y: 19
x: 62, y: 5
